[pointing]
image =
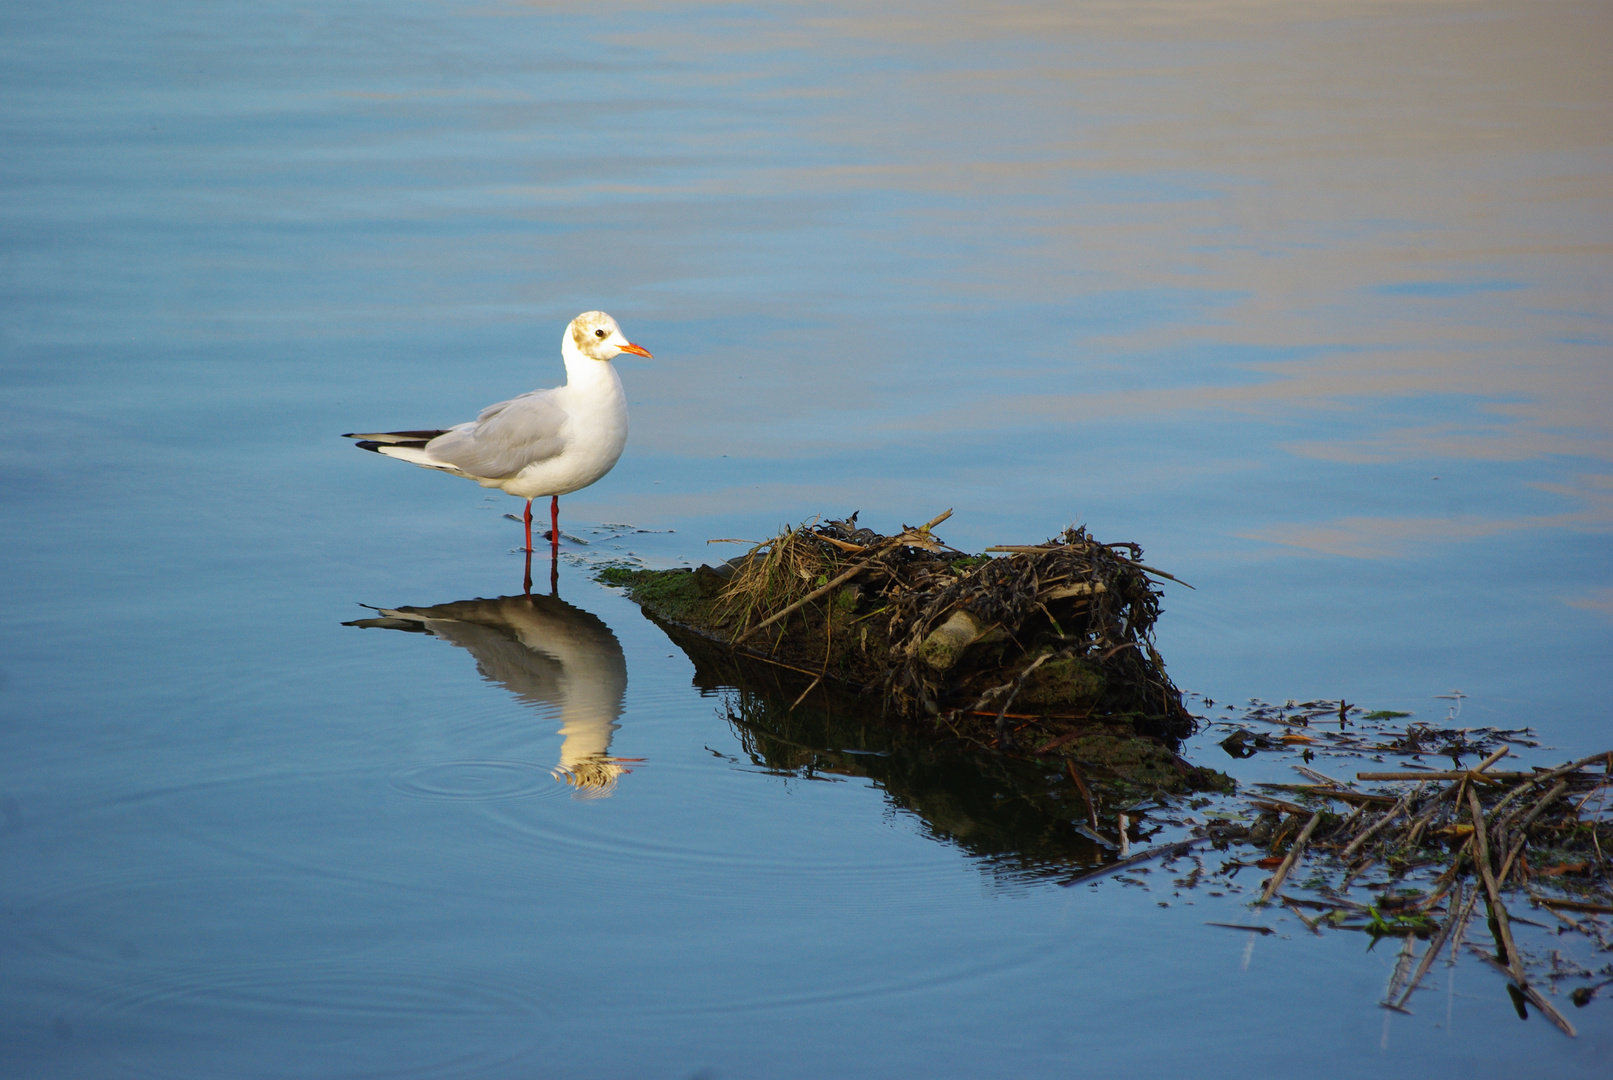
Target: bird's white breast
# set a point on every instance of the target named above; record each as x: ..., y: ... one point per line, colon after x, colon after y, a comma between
x: 595, y: 431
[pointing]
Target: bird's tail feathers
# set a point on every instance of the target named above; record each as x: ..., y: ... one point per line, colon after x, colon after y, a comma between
x: 407, y: 446
x: 414, y: 453
x: 393, y: 438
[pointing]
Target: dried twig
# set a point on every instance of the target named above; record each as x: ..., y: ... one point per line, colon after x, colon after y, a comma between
x: 805, y: 600
x: 1322, y: 778
x: 1377, y: 826
x: 1164, y: 851
x: 1448, y: 878
x: 1359, y: 798
x: 1292, y: 857
x: 1529, y: 992
x: 1280, y: 805
x: 1447, y: 774
x: 1545, y: 801
x: 1313, y: 925
x: 1081, y: 786
x: 1498, y: 910
x: 1573, y: 905
x: 1604, y: 756
x: 1506, y: 864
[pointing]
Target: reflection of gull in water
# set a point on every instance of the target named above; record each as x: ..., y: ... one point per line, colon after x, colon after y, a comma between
x: 546, y: 652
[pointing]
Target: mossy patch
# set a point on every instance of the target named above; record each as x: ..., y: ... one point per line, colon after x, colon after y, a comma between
x: 1070, y: 681
x: 679, y: 595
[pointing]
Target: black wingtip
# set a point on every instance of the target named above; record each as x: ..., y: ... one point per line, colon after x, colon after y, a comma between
x: 369, y: 444
x: 395, y: 438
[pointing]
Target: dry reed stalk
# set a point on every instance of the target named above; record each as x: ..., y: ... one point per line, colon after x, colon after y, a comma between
x: 752, y: 585
x: 1292, y: 857
x: 1498, y: 910
x: 1529, y: 992
x: 1373, y: 829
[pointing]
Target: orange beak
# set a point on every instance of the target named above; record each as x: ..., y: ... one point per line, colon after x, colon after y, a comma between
x: 637, y: 350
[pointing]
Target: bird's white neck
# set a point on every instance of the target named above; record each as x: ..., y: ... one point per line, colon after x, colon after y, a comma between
x: 584, y: 372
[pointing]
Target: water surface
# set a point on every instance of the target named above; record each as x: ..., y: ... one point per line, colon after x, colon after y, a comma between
x: 1309, y: 299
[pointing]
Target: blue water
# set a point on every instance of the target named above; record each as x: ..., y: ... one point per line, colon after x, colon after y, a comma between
x: 1310, y: 301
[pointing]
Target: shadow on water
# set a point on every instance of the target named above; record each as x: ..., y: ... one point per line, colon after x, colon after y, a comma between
x: 1011, y: 813
x: 548, y: 653
x: 1022, y: 817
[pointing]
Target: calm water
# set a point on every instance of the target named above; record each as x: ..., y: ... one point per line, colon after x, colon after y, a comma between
x: 1310, y: 299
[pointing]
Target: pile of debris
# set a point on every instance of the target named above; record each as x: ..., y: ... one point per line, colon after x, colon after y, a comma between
x: 1011, y: 649
x: 1498, y: 827
x: 1441, y: 840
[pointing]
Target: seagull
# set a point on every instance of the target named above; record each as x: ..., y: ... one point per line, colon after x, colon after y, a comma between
x: 547, y: 442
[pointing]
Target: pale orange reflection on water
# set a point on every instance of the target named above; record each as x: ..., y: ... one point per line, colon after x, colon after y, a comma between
x: 1369, y: 233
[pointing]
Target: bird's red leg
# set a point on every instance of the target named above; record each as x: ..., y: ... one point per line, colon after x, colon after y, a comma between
x: 529, y: 526
x: 554, y: 522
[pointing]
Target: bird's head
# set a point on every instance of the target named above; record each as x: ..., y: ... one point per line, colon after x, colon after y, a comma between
x: 597, y: 337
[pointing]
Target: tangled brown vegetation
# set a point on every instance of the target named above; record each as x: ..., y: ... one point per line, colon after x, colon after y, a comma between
x: 1013, y: 647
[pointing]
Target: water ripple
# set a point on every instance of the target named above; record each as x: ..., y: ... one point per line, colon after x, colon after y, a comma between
x: 328, y: 1021
x: 197, y: 920
x: 477, y: 781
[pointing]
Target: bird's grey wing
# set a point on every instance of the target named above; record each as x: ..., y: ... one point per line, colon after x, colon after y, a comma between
x: 505, y: 438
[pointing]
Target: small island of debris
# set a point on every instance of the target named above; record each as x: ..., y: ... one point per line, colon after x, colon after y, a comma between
x: 1042, y: 649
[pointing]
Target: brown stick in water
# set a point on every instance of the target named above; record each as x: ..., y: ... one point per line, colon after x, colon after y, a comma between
x: 1092, y: 807
x: 1373, y: 829
x: 1529, y: 992
x: 1165, y: 852
x: 1292, y: 857
x: 1498, y: 910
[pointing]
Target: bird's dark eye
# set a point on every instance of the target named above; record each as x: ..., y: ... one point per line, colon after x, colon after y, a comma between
x: 599, y: 333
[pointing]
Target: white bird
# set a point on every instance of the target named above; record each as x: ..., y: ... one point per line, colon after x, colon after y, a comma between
x: 547, y: 442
